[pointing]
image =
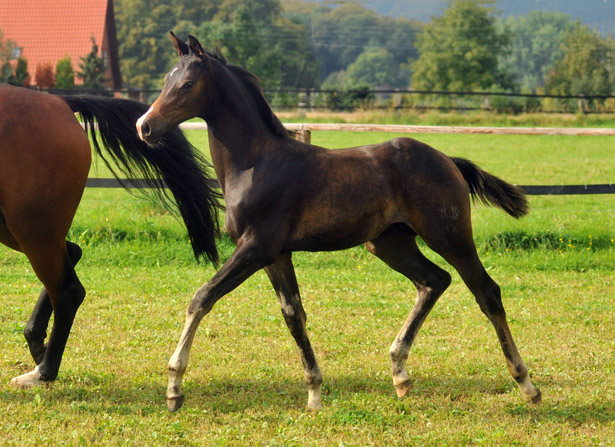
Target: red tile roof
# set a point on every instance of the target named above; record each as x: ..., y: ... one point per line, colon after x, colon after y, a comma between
x: 48, y: 30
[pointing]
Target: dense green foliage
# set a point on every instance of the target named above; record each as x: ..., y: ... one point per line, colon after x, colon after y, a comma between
x: 459, y: 50
x: 8, y: 74
x: 466, y: 46
x: 20, y: 76
x: 587, y: 65
x: 350, y: 35
x: 535, y: 46
x: 254, y: 34
x: 92, y: 70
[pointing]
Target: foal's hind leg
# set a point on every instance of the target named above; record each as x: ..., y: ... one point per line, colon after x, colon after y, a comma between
x: 397, y: 248
x: 35, y: 331
x: 458, y: 248
x: 489, y: 298
x: 282, y: 276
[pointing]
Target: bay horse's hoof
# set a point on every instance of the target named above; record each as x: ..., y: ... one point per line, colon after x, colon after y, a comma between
x: 27, y: 380
x: 402, y: 388
x: 175, y: 403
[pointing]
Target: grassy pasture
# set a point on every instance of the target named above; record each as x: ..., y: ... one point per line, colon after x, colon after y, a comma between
x: 244, y: 384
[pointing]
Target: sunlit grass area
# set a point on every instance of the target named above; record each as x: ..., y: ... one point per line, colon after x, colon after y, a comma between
x: 244, y: 384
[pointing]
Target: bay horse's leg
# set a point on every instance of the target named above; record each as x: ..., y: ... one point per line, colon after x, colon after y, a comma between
x: 397, y: 248
x: 244, y: 261
x: 55, y: 270
x: 35, y: 331
x: 282, y: 276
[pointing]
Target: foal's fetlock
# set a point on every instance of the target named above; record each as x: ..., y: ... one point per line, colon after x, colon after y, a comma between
x: 37, y: 351
x: 401, y: 380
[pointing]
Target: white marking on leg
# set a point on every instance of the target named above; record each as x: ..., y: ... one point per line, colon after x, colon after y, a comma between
x: 313, y: 378
x: 399, y: 355
x: 140, y: 122
x: 179, y: 360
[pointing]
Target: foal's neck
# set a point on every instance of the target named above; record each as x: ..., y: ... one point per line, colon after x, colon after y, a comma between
x: 238, y: 133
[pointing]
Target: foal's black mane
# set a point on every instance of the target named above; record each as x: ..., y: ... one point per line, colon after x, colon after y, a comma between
x: 253, y: 87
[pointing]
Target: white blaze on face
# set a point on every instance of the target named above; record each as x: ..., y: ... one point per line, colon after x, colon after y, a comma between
x: 140, y: 122
x: 173, y: 71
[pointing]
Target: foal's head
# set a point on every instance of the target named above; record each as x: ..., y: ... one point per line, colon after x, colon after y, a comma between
x: 183, y: 95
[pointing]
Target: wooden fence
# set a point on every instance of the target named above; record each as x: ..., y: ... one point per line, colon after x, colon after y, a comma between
x: 303, y: 131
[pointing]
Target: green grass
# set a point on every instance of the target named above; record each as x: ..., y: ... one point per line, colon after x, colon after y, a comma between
x: 244, y: 384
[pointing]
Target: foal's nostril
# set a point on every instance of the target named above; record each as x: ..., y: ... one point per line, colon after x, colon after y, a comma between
x: 146, y: 129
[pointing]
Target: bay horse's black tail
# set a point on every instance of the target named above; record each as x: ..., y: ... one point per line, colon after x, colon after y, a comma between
x: 173, y: 163
x: 492, y: 190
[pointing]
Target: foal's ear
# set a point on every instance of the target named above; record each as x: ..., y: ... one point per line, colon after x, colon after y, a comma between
x: 181, y: 47
x: 196, y: 47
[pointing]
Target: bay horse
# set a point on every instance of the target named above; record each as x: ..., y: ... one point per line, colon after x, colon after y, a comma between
x: 283, y: 195
x: 45, y: 157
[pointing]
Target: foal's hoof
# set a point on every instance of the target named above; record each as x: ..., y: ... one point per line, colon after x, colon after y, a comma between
x: 537, y: 399
x: 175, y: 403
x: 27, y: 380
x: 402, y: 388
x: 314, y: 407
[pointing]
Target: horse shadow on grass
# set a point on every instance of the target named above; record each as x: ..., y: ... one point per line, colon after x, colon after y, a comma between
x: 228, y: 395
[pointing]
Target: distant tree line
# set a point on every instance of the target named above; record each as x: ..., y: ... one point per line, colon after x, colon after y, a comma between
x: 303, y: 44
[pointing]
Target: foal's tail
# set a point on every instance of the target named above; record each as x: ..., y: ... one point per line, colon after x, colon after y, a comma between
x: 174, y: 164
x: 492, y: 190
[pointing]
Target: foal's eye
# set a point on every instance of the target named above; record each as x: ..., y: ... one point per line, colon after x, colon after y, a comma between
x: 188, y: 85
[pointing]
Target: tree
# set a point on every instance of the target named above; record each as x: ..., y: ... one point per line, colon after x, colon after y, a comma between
x: 145, y: 50
x: 6, y: 54
x: 43, y: 75
x: 65, y: 76
x: 21, y: 77
x: 459, y: 50
x: 339, y: 35
x: 586, y: 66
x: 92, y: 69
x: 374, y: 68
x: 257, y: 36
x: 535, y: 45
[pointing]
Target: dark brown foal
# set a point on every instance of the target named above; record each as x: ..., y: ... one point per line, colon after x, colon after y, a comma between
x: 283, y: 196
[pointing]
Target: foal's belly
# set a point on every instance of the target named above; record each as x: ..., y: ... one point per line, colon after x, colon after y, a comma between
x: 337, y: 230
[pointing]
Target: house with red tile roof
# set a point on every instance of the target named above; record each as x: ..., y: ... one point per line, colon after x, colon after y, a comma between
x: 46, y: 31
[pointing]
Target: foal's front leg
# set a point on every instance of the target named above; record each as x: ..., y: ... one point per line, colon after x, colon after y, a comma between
x: 242, y: 264
x: 282, y: 276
